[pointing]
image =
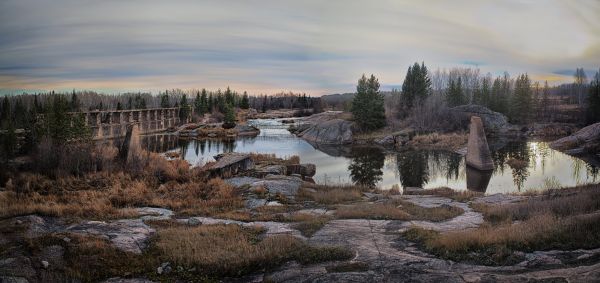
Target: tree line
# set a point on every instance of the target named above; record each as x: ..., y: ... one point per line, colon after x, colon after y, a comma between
x: 425, y: 97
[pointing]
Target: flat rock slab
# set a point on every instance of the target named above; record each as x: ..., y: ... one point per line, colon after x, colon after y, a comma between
x: 130, y: 235
x: 155, y: 213
x: 469, y: 219
x: 272, y: 228
x: 499, y: 199
x: 275, y: 184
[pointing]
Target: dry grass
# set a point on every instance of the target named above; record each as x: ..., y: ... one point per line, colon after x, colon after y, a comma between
x: 461, y: 196
x: 397, y: 210
x: 562, y: 202
x: 270, y: 159
x: 494, y: 245
x: 309, y: 224
x: 557, y: 219
x: 452, y: 141
x: 331, y: 194
x: 113, y: 195
x: 232, y: 250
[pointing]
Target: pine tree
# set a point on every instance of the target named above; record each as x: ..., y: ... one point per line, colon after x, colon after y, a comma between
x: 198, y: 104
x: 164, y: 100
x: 368, y: 105
x: 119, y: 106
x: 593, y: 111
x: 74, y: 102
x: 229, y: 119
x: 454, y: 93
x: 204, y: 106
x: 416, y: 86
x: 244, y: 103
x: 521, y: 100
x: 183, y: 109
x: 544, y: 104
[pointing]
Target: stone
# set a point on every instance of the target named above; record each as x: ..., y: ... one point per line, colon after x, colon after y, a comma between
x: 335, y: 131
x: 302, y: 169
x: 66, y: 239
x: 45, y: 264
x: 387, y: 140
x: 412, y: 190
x: 247, y: 130
x: 130, y: 235
x: 478, y: 152
x: 193, y: 222
x: 271, y: 169
x: 582, y: 141
x: 492, y: 121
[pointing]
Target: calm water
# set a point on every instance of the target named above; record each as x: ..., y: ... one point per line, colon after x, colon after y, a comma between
x: 372, y: 165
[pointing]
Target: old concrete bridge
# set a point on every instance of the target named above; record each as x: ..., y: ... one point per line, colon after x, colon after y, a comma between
x: 113, y: 123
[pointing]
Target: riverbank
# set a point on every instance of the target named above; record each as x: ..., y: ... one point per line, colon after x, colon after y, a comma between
x: 157, y: 224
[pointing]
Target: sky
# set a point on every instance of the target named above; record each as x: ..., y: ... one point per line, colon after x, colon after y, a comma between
x: 316, y: 47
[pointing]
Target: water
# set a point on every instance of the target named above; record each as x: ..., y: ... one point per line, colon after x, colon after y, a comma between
x: 375, y: 166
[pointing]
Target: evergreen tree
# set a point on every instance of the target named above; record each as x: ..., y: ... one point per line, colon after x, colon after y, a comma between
x: 416, y: 86
x: 184, y: 109
x: 197, y: 104
x: 229, y: 97
x: 544, y: 104
x: 485, y: 92
x: 129, y: 104
x: 74, y: 102
x: 204, y: 106
x: 368, y: 105
x: 5, y: 114
x: 8, y: 140
x: 521, y: 100
x: 244, y: 103
x: 229, y: 119
x: 140, y: 102
x: 164, y: 100
x: 119, y: 106
x: 593, y: 111
x: 454, y: 93
x: 211, y: 102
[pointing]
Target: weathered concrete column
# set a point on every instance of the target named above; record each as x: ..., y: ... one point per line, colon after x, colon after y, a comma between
x: 98, y: 119
x: 478, y: 152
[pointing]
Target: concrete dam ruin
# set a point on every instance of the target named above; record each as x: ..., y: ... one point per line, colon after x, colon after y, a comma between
x: 113, y: 123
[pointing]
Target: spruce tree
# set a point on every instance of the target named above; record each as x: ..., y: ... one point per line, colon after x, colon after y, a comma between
x: 368, y: 105
x: 521, y: 101
x: 416, y: 86
x: 204, y: 107
x: 183, y: 109
x: 244, y: 104
x: 229, y: 119
x: 593, y: 111
x: 454, y: 93
x: 164, y: 100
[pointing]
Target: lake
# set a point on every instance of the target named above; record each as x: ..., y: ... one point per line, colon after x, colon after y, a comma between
x: 546, y: 168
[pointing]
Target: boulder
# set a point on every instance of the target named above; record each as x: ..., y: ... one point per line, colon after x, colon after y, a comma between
x: 271, y: 169
x: 586, y: 140
x: 387, y: 140
x: 492, y: 121
x: 302, y: 169
x: 335, y: 131
x: 247, y: 130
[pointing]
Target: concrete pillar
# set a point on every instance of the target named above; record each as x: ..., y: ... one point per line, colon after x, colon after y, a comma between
x: 98, y: 119
x: 478, y: 152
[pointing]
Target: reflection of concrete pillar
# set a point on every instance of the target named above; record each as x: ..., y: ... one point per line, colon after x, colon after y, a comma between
x: 478, y: 180
x: 478, y: 152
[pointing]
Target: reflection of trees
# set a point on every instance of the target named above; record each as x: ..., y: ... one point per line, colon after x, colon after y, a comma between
x: 519, y: 150
x: 413, y: 168
x: 366, y: 165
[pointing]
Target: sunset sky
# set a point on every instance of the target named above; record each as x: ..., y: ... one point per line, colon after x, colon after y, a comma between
x: 317, y: 47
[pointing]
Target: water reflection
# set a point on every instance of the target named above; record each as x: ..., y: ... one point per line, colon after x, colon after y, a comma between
x: 478, y: 180
x: 366, y: 165
x: 373, y: 166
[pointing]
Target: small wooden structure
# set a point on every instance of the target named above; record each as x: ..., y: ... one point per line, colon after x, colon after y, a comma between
x: 229, y: 164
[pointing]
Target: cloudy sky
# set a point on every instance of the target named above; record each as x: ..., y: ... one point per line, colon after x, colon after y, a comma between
x: 316, y: 47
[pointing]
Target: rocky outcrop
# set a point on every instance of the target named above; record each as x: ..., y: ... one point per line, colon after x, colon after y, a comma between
x: 492, y: 121
x: 302, y: 169
x: 586, y: 140
x: 274, y: 184
x: 246, y: 130
x: 335, y: 131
